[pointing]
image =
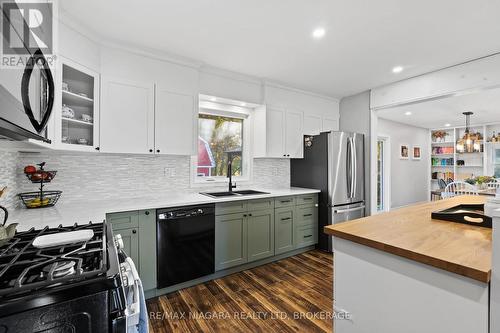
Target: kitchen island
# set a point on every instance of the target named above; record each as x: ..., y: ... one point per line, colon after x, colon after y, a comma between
x: 402, y: 271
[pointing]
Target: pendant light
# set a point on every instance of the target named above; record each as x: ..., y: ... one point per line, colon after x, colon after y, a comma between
x: 468, y: 143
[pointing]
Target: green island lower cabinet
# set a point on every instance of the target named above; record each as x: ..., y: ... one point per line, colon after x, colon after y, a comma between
x: 246, y: 232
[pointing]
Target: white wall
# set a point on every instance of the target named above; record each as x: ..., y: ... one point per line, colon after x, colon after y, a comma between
x: 355, y: 117
x: 409, y: 178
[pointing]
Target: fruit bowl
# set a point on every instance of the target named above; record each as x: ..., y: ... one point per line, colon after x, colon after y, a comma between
x: 41, y: 175
x: 40, y: 199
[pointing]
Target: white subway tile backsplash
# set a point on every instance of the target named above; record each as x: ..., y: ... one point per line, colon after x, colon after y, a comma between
x: 8, y: 177
x: 86, y: 176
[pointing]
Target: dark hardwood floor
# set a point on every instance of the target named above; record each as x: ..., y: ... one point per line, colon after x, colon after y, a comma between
x: 291, y: 295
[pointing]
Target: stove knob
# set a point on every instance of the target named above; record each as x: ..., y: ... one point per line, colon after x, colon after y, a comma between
x: 200, y: 211
x: 119, y: 242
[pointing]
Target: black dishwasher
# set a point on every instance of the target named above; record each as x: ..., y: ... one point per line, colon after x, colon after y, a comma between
x: 185, y: 245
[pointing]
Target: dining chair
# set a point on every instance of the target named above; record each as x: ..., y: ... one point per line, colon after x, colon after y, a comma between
x: 494, y: 184
x: 442, y: 183
x: 458, y: 188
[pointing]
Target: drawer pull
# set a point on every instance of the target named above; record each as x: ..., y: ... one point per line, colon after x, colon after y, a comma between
x: 307, y: 215
x: 307, y: 198
x: 307, y: 236
x: 286, y: 218
x: 285, y: 201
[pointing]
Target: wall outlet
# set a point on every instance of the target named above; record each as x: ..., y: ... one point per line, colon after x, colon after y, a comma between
x: 169, y: 172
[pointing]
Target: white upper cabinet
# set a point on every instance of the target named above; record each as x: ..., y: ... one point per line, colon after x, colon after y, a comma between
x: 127, y: 116
x: 313, y: 124
x: 275, y: 133
x: 278, y: 133
x: 294, y: 121
x: 174, y: 123
x: 330, y: 124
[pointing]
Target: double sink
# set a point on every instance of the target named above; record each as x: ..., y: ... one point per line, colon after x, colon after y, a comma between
x: 232, y: 193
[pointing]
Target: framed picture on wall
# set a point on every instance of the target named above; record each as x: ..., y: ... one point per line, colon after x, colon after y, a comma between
x: 404, y: 152
x: 416, y: 153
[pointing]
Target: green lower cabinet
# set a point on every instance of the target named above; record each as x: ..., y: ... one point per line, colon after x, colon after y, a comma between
x: 283, y: 221
x: 230, y: 240
x: 147, y: 248
x: 306, y: 236
x: 130, y: 239
x: 260, y: 225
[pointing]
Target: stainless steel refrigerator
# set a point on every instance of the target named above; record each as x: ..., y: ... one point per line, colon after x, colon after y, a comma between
x: 333, y: 163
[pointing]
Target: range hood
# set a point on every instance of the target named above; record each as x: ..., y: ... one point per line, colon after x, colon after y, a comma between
x: 14, y: 123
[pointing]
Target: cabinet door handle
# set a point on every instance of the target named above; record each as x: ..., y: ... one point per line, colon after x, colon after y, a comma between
x: 249, y: 214
x: 286, y: 218
x: 286, y: 201
x: 134, y: 231
x: 157, y: 150
x: 146, y: 212
x: 307, y: 215
x: 151, y: 150
x: 307, y: 236
x: 97, y: 148
x: 244, y: 215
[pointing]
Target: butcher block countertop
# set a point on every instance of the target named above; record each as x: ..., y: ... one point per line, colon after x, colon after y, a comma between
x: 411, y: 233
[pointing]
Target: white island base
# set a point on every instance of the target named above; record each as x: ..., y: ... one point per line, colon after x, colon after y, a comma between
x: 382, y: 292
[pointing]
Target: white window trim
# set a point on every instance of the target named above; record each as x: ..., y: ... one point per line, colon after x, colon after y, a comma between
x: 247, y: 157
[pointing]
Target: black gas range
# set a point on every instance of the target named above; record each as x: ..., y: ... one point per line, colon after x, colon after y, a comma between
x: 66, y: 288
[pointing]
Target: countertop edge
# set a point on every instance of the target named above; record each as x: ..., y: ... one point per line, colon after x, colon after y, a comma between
x: 68, y: 213
x: 472, y: 273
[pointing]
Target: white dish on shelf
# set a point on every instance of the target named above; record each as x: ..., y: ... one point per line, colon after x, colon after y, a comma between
x: 67, y: 112
x: 62, y: 238
x: 82, y: 141
x: 87, y: 118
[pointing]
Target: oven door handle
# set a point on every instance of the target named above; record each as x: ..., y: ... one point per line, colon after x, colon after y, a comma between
x: 133, y: 310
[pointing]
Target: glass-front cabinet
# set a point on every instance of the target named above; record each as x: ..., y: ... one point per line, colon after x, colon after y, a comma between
x: 77, y: 114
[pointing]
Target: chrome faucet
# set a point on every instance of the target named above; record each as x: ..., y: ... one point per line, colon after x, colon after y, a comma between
x: 230, y: 176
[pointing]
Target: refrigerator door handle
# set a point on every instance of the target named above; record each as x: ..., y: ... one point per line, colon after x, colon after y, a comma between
x: 342, y: 211
x: 349, y: 168
x: 354, y: 168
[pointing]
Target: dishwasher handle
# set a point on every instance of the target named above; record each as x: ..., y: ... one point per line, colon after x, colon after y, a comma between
x: 185, y: 212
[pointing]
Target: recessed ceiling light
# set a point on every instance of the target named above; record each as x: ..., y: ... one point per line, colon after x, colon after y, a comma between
x: 318, y: 33
x: 397, y: 69
x: 243, y: 104
x: 213, y: 99
x: 408, y: 113
x: 447, y: 125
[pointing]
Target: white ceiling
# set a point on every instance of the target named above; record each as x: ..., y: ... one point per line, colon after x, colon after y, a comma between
x: 437, y: 113
x: 272, y: 38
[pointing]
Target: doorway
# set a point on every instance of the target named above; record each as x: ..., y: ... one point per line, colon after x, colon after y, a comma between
x: 383, y: 172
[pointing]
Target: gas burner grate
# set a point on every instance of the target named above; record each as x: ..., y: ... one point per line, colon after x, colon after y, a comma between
x: 24, y: 268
